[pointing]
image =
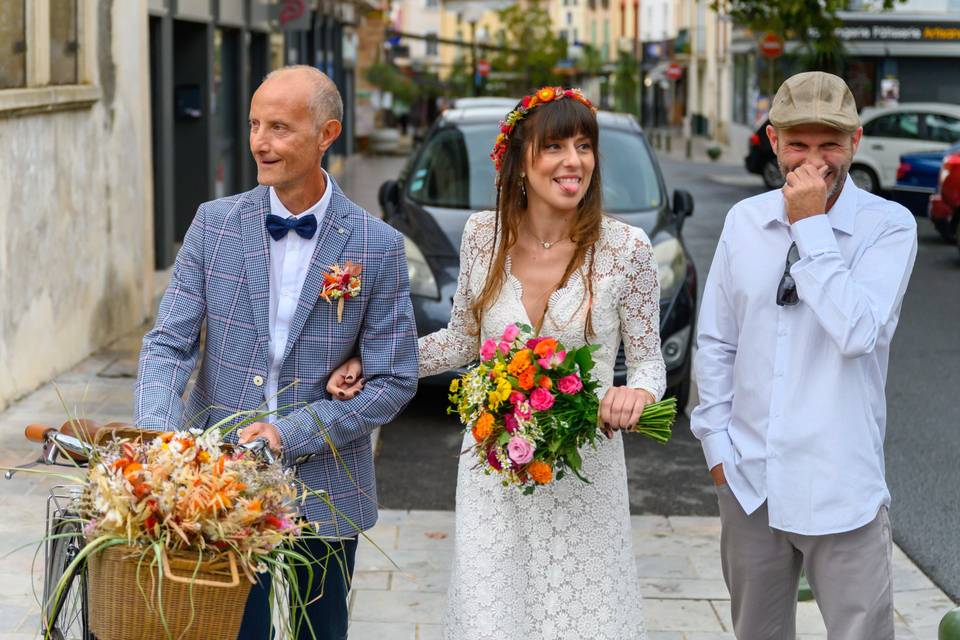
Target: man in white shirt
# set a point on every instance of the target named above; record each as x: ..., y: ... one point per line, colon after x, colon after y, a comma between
x: 794, y: 333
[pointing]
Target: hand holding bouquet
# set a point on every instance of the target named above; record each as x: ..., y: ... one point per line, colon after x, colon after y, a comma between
x: 531, y: 405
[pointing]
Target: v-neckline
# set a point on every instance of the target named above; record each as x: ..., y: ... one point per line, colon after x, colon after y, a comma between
x: 518, y: 291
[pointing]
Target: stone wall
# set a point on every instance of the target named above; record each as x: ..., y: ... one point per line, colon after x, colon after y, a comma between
x: 76, y: 230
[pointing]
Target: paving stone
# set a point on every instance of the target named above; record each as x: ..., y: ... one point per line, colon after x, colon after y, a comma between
x: 673, y: 589
x: 371, y: 580
x: 429, y: 632
x: 398, y: 606
x: 665, y: 567
x: 922, y: 608
x: 666, y: 635
x: 436, y: 536
x: 382, y: 631
x: 432, y: 581
x: 809, y: 620
x: 651, y: 524
x: 680, y: 615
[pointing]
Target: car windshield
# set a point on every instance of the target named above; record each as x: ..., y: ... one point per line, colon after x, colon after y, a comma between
x: 454, y: 170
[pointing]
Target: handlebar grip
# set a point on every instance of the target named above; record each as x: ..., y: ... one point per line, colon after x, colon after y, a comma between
x: 37, y: 432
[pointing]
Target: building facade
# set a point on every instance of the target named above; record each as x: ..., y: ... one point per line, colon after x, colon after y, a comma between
x: 76, y: 233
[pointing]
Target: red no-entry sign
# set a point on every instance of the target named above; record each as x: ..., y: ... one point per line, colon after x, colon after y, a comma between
x: 483, y: 68
x: 674, y: 71
x: 771, y: 45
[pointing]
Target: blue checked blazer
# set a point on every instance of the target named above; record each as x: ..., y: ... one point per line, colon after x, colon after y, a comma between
x: 221, y: 276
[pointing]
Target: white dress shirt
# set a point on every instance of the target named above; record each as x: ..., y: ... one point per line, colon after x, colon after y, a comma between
x: 792, y: 398
x: 289, y: 262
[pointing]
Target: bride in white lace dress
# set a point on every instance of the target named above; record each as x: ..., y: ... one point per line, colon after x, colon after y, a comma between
x: 557, y: 564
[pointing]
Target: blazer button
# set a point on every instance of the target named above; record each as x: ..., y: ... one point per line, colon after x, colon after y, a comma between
x: 258, y: 381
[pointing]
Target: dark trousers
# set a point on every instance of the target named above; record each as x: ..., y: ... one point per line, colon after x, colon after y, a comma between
x: 319, y: 611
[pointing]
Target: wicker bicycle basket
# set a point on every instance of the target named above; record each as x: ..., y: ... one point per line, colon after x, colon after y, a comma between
x: 128, y: 590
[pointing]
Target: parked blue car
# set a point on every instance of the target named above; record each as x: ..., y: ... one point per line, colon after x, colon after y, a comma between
x: 917, y: 179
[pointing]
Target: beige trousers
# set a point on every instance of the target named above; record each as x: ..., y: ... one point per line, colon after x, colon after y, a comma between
x: 849, y: 573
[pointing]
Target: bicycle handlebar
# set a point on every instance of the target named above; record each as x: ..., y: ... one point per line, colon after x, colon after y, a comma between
x: 37, y: 432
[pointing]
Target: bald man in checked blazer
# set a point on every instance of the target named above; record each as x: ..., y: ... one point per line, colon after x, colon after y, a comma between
x: 252, y: 270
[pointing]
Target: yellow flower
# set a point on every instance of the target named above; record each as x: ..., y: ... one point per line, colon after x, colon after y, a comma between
x: 546, y: 94
x: 454, y: 385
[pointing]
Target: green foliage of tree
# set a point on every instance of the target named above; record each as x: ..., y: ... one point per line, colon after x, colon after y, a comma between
x: 387, y: 77
x: 536, y: 49
x: 626, y: 84
x: 810, y: 22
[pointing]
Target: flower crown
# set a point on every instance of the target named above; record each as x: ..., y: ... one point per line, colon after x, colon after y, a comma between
x: 542, y: 96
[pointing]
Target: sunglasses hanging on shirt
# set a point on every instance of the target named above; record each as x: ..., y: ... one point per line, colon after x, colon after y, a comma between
x: 787, y: 291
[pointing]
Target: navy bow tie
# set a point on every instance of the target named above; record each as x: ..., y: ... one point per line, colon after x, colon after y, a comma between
x: 278, y: 227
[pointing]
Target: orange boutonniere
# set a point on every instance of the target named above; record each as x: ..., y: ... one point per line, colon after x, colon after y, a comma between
x: 342, y: 283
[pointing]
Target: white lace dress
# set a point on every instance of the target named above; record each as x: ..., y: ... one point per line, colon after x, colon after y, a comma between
x: 558, y: 564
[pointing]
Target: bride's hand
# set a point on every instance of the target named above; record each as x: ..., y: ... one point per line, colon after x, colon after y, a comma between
x: 346, y: 381
x: 621, y: 407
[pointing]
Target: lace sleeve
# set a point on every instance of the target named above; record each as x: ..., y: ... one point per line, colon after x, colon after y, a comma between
x: 640, y: 317
x: 457, y: 344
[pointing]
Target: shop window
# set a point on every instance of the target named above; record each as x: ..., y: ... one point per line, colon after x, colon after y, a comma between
x: 64, y: 46
x: 942, y: 128
x: 895, y: 125
x: 431, y: 41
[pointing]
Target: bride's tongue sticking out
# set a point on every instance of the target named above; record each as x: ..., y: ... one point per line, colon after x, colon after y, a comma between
x: 568, y: 185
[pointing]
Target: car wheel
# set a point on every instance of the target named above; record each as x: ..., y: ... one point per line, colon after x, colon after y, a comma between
x: 865, y: 178
x: 771, y: 174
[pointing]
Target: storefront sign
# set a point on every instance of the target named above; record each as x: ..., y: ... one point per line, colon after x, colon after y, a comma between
x: 898, y: 32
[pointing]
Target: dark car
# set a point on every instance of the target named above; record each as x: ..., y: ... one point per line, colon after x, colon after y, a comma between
x: 917, y: 180
x: 451, y: 176
x: 761, y: 160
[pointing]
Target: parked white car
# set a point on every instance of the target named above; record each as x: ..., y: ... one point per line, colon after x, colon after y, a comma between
x: 890, y: 132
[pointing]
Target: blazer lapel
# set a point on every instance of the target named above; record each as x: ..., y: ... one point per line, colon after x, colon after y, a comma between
x: 334, y: 231
x: 256, y: 260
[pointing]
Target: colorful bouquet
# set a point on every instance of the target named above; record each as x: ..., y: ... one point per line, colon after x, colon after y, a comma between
x: 342, y: 283
x: 183, y: 490
x: 531, y: 405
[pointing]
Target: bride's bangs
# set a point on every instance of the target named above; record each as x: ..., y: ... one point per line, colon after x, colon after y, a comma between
x: 560, y: 120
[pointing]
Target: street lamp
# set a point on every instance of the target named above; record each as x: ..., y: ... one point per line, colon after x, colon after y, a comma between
x: 472, y: 11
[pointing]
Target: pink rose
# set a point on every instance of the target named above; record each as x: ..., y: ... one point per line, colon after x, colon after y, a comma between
x: 510, y: 333
x: 522, y: 411
x: 510, y: 422
x: 504, y: 348
x: 516, y: 398
x: 488, y: 349
x: 553, y: 360
x: 570, y: 384
x: 492, y: 459
x: 520, y: 450
x: 533, y: 342
x: 541, y: 399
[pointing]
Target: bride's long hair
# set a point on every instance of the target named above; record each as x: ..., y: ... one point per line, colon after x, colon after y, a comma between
x: 557, y: 120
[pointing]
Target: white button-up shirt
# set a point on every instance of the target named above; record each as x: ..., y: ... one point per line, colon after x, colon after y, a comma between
x: 289, y: 262
x: 792, y: 398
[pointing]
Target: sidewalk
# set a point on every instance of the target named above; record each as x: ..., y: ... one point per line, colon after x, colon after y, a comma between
x: 671, y: 143
x: 677, y: 557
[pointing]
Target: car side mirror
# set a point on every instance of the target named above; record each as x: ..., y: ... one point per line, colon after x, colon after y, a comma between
x: 388, y: 197
x: 682, y: 205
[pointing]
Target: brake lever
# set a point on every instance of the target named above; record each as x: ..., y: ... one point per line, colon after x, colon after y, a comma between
x: 8, y: 475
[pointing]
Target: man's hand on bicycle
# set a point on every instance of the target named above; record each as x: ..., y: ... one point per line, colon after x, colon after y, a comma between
x: 263, y: 430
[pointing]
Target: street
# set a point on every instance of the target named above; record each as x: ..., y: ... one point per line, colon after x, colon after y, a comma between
x: 417, y: 461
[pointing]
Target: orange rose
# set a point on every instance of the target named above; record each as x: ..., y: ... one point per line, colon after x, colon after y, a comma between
x: 484, y: 427
x: 545, y: 382
x: 526, y: 379
x: 540, y: 472
x: 521, y: 361
x: 545, y: 348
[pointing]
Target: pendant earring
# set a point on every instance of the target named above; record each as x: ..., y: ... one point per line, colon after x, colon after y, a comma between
x: 523, y: 187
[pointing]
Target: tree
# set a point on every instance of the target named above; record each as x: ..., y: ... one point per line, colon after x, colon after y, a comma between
x: 536, y: 49
x: 813, y: 23
x: 626, y: 84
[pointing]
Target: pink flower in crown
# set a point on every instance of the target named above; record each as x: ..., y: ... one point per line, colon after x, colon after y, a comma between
x: 488, y: 349
x: 516, y: 398
x: 520, y: 450
x: 510, y: 422
x: 522, y: 411
x: 570, y: 384
x: 541, y: 399
x: 510, y: 333
x: 553, y: 360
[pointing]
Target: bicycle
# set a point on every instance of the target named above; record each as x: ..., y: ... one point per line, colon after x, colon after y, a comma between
x: 65, y: 616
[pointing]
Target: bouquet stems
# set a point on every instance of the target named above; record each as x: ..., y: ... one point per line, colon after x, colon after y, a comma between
x: 657, y: 420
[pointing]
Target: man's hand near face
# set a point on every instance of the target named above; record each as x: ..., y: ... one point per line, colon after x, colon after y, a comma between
x: 805, y: 192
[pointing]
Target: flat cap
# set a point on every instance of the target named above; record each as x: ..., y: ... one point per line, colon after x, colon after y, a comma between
x: 814, y: 97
